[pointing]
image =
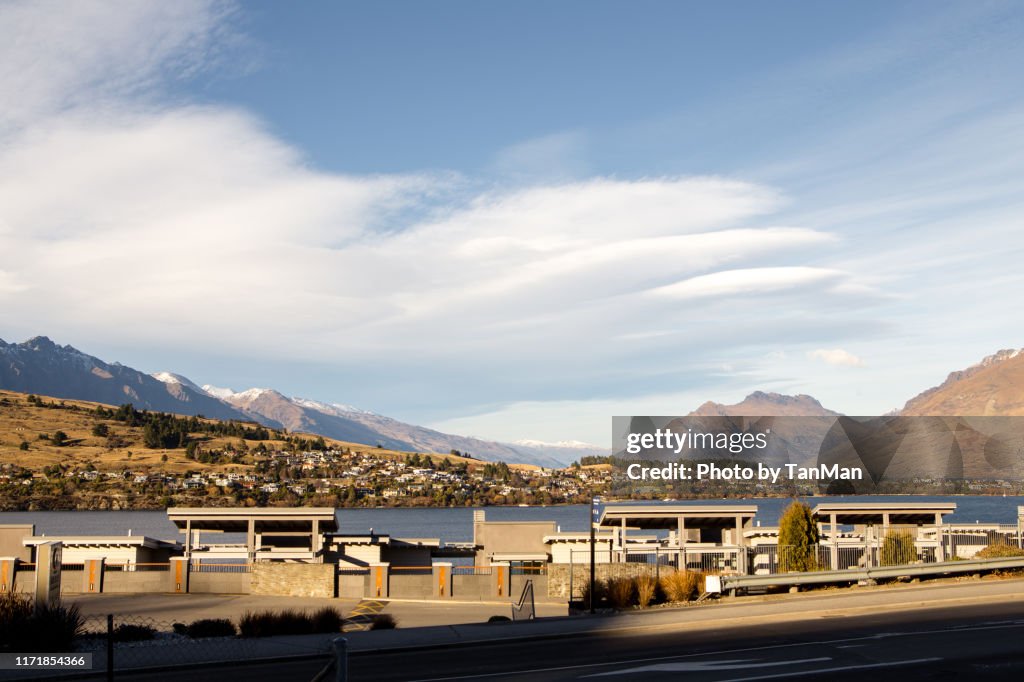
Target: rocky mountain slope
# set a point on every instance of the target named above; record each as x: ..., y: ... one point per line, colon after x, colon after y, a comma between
x: 759, y: 404
x: 993, y: 387
x: 41, y: 366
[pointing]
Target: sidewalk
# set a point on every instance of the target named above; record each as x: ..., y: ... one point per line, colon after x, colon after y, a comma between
x: 184, y: 608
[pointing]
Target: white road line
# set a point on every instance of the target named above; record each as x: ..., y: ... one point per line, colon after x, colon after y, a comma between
x: 709, y: 666
x: 802, y: 673
x: 768, y: 647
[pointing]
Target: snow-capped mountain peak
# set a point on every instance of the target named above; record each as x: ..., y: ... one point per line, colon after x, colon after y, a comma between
x: 330, y: 408
x: 172, y: 378
x: 217, y: 392
x: 571, y: 444
x: 252, y: 393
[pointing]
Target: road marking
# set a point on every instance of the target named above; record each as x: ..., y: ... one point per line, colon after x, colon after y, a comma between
x: 362, y: 614
x: 768, y: 647
x: 709, y: 666
x: 818, y: 671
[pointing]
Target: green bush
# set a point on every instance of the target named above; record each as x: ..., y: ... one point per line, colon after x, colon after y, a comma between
x: 898, y: 548
x: 210, y: 627
x: 999, y: 551
x: 51, y: 628
x: 798, y: 539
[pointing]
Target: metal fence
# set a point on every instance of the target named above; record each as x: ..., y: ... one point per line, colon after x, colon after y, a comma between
x: 204, y: 567
x: 897, y: 547
x: 471, y: 570
x: 122, y: 645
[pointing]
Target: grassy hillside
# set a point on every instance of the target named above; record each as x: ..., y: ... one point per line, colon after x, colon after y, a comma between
x: 122, y: 447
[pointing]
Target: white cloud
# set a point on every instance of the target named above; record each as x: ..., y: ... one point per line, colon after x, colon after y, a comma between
x: 129, y: 217
x: 56, y: 55
x: 836, y: 356
x: 550, y: 156
x: 750, y: 281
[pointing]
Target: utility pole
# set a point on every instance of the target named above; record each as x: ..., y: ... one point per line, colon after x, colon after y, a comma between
x: 594, y: 501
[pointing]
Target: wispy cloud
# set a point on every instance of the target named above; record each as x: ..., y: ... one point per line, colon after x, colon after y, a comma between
x: 131, y: 215
x: 836, y: 356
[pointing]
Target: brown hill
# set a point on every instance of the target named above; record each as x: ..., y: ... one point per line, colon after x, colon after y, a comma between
x: 761, y: 404
x: 122, y: 447
x: 993, y: 387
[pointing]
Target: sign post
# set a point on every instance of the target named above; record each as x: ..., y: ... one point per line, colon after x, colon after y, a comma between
x: 48, y: 559
x: 594, y: 501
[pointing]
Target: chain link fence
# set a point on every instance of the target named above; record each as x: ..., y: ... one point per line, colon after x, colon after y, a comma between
x: 121, y: 644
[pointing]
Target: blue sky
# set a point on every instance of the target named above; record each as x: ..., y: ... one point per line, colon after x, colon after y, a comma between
x: 513, y: 220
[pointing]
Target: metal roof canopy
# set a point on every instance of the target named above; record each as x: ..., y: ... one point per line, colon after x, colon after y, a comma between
x: 666, y: 517
x: 264, y: 520
x: 856, y: 513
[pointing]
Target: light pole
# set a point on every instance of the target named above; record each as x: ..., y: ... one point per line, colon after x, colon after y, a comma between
x: 594, y: 501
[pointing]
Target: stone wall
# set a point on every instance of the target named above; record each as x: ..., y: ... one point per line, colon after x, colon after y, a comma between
x: 293, y: 580
x: 559, y: 576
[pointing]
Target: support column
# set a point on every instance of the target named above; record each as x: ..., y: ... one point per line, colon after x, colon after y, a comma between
x: 442, y: 580
x: 179, y: 575
x: 250, y: 541
x: 8, y: 569
x: 940, y: 550
x: 681, y: 542
x: 501, y: 581
x: 833, y: 535
x: 188, y: 538
x: 316, y: 545
x: 741, y: 548
x: 92, y: 576
x: 379, y: 580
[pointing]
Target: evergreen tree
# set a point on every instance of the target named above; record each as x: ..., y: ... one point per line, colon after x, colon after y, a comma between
x: 798, y: 539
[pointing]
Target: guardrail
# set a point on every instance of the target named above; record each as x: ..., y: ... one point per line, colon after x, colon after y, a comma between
x: 739, y: 582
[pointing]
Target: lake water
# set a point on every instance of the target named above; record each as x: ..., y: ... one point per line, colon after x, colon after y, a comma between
x: 456, y: 525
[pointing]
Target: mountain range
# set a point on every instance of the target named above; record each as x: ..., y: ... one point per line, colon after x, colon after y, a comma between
x: 992, y: 387
x: 41, y: 366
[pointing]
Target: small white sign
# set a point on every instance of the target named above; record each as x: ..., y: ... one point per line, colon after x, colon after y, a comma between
x: 713, y: 584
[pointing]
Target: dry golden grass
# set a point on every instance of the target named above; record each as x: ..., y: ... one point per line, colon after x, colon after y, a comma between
x: 682, y: 585
x: 646, y: 587
x: 22, y: 421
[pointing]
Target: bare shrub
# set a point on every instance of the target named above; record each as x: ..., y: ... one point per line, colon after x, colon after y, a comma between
x: 682, y: 585
x: 620, y: 592
x: 645, y: 586
x: 383, y: 621
x: 999, y: 551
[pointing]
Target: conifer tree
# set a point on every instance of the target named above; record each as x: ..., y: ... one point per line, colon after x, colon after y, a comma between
x: 798, y: 539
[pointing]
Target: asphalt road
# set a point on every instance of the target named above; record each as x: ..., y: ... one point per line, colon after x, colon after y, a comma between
x: 959, y: 641
x: 948, y: 643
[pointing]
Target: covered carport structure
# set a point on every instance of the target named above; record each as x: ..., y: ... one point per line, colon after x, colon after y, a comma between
x: 866, y: 517
x: 285, y: 534
x: 693, y: 527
